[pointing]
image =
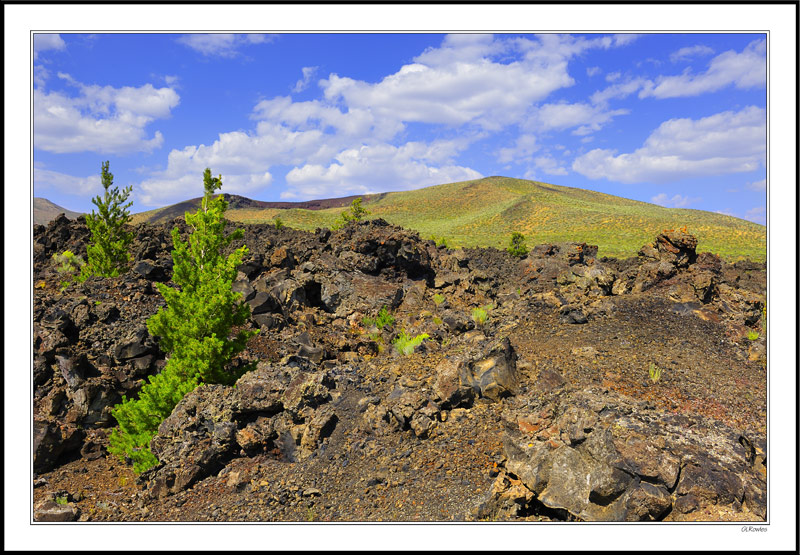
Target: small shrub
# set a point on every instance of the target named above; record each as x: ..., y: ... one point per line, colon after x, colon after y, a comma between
x: 61, y: 500
x: 405, y: 344
x: 384, y: 320
x: 69, y: 266
x: 438, y: 299
x: 752, y: 335
x: 481, y: 314
x: 517, y: 247
x: 278, y: 222
x: 655, y: 373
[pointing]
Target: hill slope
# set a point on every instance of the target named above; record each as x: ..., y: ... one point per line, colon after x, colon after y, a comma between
x: 45, y: 211
x: 486, y: 211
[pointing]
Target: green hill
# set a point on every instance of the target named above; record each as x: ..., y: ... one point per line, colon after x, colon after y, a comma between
x: 486, y: 211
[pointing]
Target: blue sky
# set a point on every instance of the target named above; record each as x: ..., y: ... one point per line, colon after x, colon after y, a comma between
x: 674, y: 119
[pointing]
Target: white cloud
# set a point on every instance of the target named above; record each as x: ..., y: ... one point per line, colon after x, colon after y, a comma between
x: 378, y: 168
x: 302, y: 84
x: 461, y: 82
x: 728, y: 142
x: 688, y: 52
x: 563, y: 115
x: 48, y: 180
x: 164, y: 189
x: 100, y: 119
x: 744, y: 70
x: 758, y: 186
x: 676, y: 201
x: 757, y: 215
x: 46, y: 41
x: 260, y: 38
x: 620, y: 90
x: 40, y: 76
x: 611, y: 77
x: 224, y: 45
x: 523, y: 148
x: 463, y: 48
x: 315, y: 115
x: 549, y: 165
x: 592, y: 71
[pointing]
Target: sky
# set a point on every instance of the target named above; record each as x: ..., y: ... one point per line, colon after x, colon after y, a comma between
x: 677, y: 120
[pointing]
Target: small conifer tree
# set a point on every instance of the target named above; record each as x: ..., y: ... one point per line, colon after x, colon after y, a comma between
x: 204, y: 308
x: 517, y: 247
x: 355, y: 214
x: 195, y: 327
x: 107, y: 254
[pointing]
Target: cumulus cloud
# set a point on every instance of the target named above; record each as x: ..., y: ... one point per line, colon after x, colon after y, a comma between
x: 744, y: 70
x: 302, y: 84
x: 40, y: 76
x: 314, y: 114
x: 47, y: 180
x: 224, y: 45
x: 728, y: 142
x: 688, y: 52
x: 523, y: 148
x: 620, y: 90
x: 466, y: 81
x: 587, y: 118
x: 757, y: 215
x: 676, y: 201
x: 592, y: 71
x: 100, y: 119
x: 172, y: 186
x: 549, y: 165
x: 758, y: 186
x: 377, y: 168
x: 47, y: 41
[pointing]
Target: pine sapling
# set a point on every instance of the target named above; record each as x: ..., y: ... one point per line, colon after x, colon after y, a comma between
x: 107, y: 253
x: 195, y: 328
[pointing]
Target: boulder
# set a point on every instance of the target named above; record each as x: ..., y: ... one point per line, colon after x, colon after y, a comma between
x: 602, y: 456
x: 674, y: 247
x: 150, y: 270
x: 489, y: 370
x: 51, y: 441
x: 52, y: 511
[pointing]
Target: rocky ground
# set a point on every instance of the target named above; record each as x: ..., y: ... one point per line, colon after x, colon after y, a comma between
x: 596, y: 389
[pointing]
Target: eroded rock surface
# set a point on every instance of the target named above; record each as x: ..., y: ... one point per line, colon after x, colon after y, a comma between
x: 599, y: 456
x: 543, y: 411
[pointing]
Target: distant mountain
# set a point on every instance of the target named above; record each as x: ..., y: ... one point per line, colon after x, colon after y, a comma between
x: 484, y: 213
x: 236, y: 202
x: 45, y: 211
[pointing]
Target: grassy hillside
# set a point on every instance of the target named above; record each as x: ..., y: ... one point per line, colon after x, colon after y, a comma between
x: 484, y: 212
